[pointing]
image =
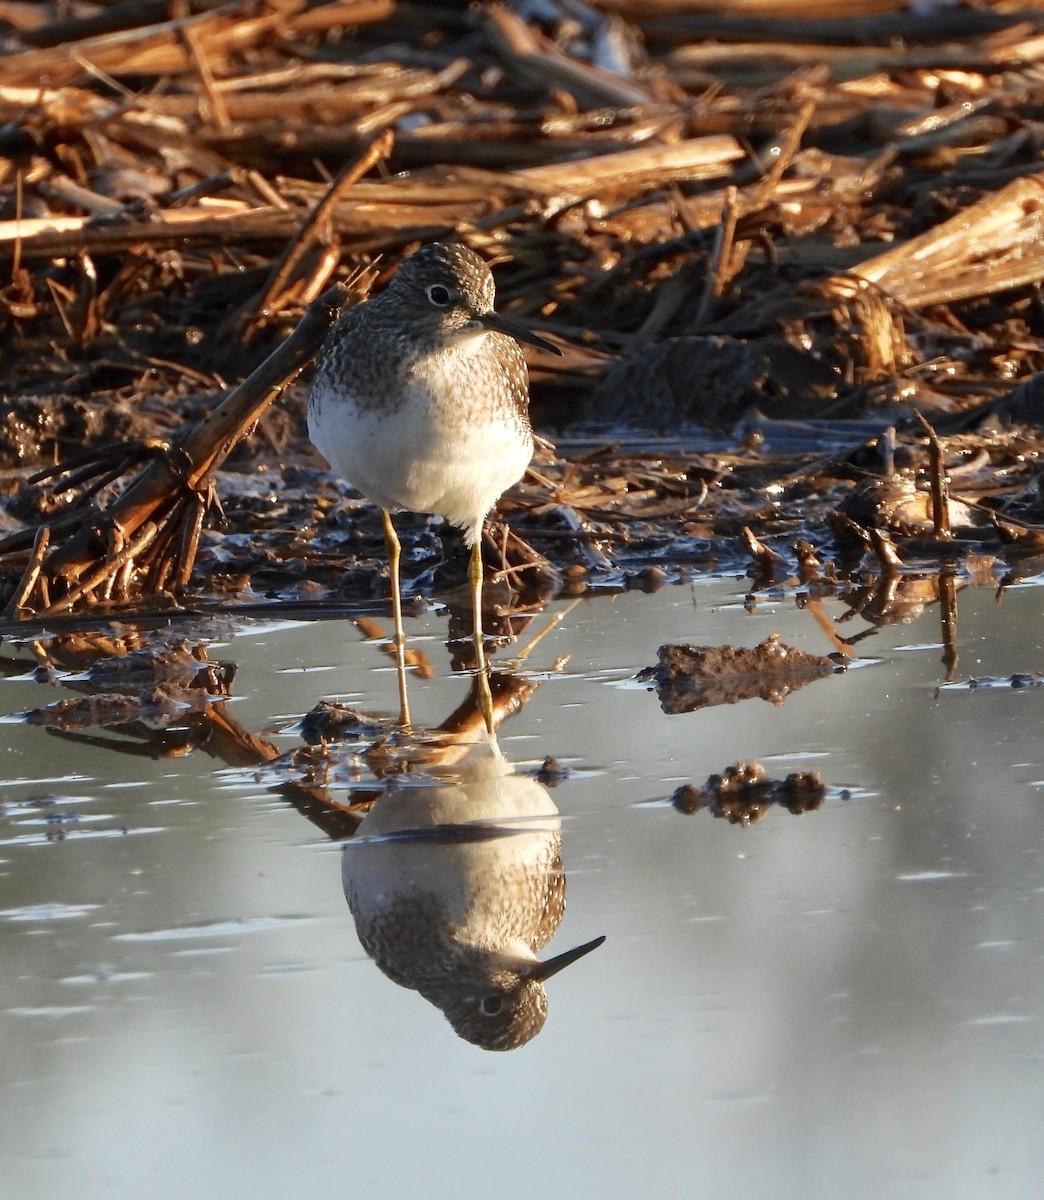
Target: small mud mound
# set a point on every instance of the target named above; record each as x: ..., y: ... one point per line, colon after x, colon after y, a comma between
x: 744, y: 793
x: 692, y: 677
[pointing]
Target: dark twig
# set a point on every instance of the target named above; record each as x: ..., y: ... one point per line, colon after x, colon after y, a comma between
x: 939, y: 483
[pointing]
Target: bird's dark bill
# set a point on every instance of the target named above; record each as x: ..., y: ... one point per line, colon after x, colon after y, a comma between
x: 501, y: 324
x: 552, y: 966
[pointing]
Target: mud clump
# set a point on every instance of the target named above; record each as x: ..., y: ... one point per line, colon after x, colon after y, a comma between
x: 744, y: 793
x: 159, y: 706
x: 691, y: 677
x: 329, y: 722
x: 37, y: 430
x: 689, y: 382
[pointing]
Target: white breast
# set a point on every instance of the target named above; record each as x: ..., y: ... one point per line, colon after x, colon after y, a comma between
x: 429, y: 454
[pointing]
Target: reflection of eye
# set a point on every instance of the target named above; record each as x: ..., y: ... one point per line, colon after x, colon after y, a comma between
x: 491, y: 1005
x: 438, y: 295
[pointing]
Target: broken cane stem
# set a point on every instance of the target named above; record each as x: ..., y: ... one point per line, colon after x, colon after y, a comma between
x: 207, y: 446
x: 32, y: 571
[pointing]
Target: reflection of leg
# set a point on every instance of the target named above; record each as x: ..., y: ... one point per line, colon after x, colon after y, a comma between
x: 394, y: 552
x: 475, y: 579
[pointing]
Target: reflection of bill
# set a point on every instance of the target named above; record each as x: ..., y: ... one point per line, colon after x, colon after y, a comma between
x: 455, y: 884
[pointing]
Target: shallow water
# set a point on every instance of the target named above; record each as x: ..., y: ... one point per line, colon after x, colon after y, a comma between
x: 845, y: 1003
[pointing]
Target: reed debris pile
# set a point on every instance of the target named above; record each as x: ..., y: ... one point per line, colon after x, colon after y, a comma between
x: 815, y: 232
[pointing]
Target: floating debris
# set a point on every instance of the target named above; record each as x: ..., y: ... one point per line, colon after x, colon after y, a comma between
x: 158, y: 706
x: 551, y: 772
x: 691, y: 677
x: 330, y: 721
x: 1021, y: 679
x: 180, y: 663
x: 744, y: 793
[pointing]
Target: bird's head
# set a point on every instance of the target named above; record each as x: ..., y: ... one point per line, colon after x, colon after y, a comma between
x: 504, y: 1007
x: 448, y: 289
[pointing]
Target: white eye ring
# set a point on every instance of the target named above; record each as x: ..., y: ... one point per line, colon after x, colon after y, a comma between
x: 438, y: 295
x: 491, y: 1005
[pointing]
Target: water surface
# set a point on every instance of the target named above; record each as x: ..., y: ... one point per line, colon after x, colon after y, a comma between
x: 842, y: 1003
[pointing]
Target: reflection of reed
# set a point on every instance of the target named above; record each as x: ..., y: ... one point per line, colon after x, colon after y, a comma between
x: 455, y: 885
x: 899, y: 599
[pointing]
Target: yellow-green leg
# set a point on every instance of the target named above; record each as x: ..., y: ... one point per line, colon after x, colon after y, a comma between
x: 475, y: 579
x: 391, y: 539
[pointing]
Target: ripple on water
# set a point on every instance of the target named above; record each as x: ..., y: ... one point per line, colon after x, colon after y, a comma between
x: 58, y: 831
x: 106, y: 976
x: 214, y: 929
x: 51, y: 911
x: 50, y: 1011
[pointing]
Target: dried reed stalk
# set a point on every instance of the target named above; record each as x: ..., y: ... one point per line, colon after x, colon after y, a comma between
x: 996, y: 244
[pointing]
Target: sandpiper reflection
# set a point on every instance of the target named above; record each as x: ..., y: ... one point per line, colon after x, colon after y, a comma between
x: 455, y: 884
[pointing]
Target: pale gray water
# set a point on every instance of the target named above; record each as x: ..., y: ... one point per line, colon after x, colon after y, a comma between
x: 842, y: 1004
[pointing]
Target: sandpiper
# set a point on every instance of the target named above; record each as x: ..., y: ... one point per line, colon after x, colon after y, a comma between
x: 421, y: 402
x: 455, y: 884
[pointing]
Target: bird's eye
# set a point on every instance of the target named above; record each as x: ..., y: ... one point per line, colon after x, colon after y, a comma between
x: 491, y: 1005
x: 438, y: 295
